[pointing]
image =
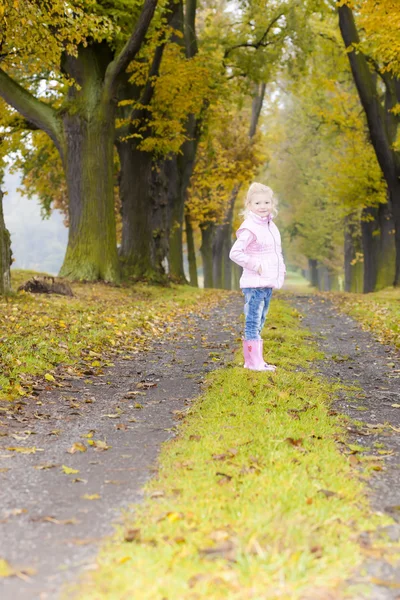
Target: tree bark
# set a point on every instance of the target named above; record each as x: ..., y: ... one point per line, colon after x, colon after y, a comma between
x: 5, y: 253
x: 136, y: 251
x: 349, y: 255
x: 380, y: 125
x: 387, y: 249
x: 88, y: 152
x: 191, y: 253
x: 222, y: 242
x: 207, y: 234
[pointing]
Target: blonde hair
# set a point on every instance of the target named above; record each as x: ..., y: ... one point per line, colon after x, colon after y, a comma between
x: 260, y: 188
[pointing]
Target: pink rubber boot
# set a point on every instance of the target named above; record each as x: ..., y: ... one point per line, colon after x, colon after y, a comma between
x: 268, y: 367
x: 253, y: 357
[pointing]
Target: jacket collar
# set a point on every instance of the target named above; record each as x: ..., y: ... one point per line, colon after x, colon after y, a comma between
x: 260, y: 220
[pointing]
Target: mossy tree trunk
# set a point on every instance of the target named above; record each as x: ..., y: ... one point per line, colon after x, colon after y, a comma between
x: 88, y: 146
x: 5, y: 253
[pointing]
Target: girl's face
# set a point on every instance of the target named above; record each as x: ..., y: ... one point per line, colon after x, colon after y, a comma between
x: 261, y: 205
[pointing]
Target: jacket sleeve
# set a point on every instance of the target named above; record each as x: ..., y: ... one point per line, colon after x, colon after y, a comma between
x: 238, y: 250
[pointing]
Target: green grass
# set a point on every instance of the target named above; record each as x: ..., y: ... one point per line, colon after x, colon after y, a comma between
x: 253, y: 499
x: 46, y: 334
x: 378, y: 312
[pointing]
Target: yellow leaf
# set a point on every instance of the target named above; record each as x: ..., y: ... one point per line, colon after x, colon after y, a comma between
x: 5, y: 569
x: 49, y: 377
x: 77, y: 447
x: 69, y: 471
x: 91, y: 497
x: 24, y: 449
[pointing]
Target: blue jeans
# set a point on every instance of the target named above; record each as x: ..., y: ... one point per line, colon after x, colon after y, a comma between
x: 256, y: 305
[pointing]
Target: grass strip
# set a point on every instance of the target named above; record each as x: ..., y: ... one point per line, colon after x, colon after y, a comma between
x: 42, y: 335
x: 253, y: 499
x: 378, y: 312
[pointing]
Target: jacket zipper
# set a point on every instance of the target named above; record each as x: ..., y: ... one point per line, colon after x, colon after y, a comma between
x: 273, y: 237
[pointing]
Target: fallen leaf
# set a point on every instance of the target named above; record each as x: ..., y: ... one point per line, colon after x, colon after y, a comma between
x: 295, y: 441
x: 60, y: 521
x: 98, y: 444
x: 69, y: 471
x: 157, y: 494
x: 132, y: 535
x: 49, y: 377
x: 77, y: 447
x: 145, y: 385
x: 24, y: 449
x: 91, y: 496
x: 224, y: 550
x: 44, y: 467
x: 327, y: 493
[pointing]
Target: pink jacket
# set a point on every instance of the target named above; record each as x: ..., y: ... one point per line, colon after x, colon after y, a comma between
x: 259, y: 244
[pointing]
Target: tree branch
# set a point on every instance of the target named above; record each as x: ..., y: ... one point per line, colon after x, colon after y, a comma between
x: 131, y: 48
x: 40, y: 114
x: 261, y: 42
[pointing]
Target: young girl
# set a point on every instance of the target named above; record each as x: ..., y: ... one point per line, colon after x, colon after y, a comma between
x: 258, y: 250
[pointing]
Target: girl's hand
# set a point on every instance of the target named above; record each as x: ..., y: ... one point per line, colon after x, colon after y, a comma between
x: 259, y: 270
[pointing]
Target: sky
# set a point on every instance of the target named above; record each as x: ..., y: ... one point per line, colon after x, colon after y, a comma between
x: 38, y: 244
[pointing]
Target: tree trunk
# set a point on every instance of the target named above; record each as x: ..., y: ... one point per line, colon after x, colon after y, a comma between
x: 185, y: 163
x: 369, y: 238
x: 88, y: 157
x: 207, y: 234
x: 5, y: 253
x: 222, y: 272
x: 313, y: 267
x: 395, y: 203
x: 137, y: 251
x: 349, y: 255
x: 222, y: 265
x: 387, y: 249
x: 191, y: 253
x: 92, y: 245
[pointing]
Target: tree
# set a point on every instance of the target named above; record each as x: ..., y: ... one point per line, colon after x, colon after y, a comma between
x: 5, y: 253
x: 382, y: 117
x: 83, y: 49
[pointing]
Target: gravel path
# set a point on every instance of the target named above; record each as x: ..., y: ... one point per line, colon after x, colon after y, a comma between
x: 353, y: 357
x: 52, y: 522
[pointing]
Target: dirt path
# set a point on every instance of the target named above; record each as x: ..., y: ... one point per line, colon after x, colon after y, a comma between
x: 354, y: 357
x: 46, y: 522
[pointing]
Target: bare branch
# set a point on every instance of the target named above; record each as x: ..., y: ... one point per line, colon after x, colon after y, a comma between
x: 261, y: 42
